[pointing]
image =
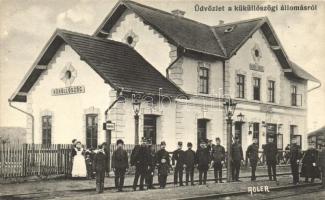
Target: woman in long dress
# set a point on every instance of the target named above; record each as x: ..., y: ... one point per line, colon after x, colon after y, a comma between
x: 79, y: 163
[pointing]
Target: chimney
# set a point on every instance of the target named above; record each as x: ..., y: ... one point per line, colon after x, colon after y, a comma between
x: 178, y: 12
x: 221, y: 22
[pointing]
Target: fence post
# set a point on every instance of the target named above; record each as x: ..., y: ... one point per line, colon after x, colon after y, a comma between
x: 25, y: 159
x: 59, y: 159
x: 2, y: 158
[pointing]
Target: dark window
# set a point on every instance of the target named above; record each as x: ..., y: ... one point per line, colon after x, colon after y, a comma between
x: 68, y: 74
x: 240, y: 86
x: 256, y: 88
x: 238, y: 131
x: 204, y: 80
x: 256, y: 132
x: 201, y: 130
x: 257, y: 53
x: 129, y: 40
x: 294, y: 95
x: 46, y: 129
x: 150, y: 128
x: 271, y: 91
x: 91, y: 130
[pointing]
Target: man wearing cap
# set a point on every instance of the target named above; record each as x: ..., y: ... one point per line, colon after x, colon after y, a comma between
x: 189, y: 161
x: 218, y: 159
x: 295, y: 156
x: 178, y: 156
x: 163, y: 163
x: 236, y: 159
x: 152, y: 166
x: 252, y: 155
x: 142, y: 159
x: 119, y: 164
x: 270, y: 152
x: 203, y: 162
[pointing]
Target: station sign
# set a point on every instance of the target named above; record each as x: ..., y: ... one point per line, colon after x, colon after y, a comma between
x: 109, y: 126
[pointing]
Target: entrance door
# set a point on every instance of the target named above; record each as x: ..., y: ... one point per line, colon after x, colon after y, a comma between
x: 91, y: 130
x: 201, y: 130
x: 256, y: 132
x: 150, y: 128
x: 271, y: 131
x: 238, y: 131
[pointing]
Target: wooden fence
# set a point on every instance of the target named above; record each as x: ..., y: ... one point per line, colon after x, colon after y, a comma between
x: 22, y: 160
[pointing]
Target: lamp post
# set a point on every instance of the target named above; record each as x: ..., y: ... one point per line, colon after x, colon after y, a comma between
x: 229, y: 106
x: 136, y: 108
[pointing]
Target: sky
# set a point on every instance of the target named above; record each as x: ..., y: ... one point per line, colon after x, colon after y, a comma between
x: 26, y: 25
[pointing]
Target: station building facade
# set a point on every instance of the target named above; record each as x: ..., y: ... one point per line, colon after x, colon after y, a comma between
x: 181, y: 69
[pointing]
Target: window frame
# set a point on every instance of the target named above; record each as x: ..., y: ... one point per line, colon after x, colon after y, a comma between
x: 240, y: 86
x: 271, y: 91
x: 294, y: 95
x: 203, y: 80
x: 92, y: 141
x: 46, y: 129
x: 255, y: 87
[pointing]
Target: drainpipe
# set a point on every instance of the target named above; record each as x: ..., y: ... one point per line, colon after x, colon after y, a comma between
x: 26, y: 113
x: 33, y: 137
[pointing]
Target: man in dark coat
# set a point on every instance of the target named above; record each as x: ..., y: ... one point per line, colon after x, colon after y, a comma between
x: 236, y: 159
x: 152, y: 166
x: 295, y: 156
x: 119, y: 164
x: 309, y: 167
x: 218, y: 159
x: 203, y: 162
x: 178, y: 157
x: 252, y: 155
x: 163, y: 163
x: 270, y: 152
x: 141, y: 162
x: 189, y: 161
x: 321, y: 161
x: 100, y: 163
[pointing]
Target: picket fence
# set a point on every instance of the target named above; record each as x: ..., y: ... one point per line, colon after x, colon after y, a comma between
x: 23, y: 160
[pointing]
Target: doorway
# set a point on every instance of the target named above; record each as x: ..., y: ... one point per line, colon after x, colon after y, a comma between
x: 150, y: 128
x: 238, y: 131
x: 201, y: 130
x: 271, y: 131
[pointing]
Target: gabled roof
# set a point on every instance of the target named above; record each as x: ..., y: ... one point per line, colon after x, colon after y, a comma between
x: 118, y: 64
x: 198, y: 37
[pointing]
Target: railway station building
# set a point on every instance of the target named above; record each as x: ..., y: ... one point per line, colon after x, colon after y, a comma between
x: 180, y: 69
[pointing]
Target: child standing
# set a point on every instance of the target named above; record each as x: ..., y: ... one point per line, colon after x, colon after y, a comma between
x: 100, y: 163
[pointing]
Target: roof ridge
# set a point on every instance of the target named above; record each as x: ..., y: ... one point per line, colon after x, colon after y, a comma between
x: 219, y: 41
x: 164, y: 12
x: 91, y: 37
x: 241, y: 21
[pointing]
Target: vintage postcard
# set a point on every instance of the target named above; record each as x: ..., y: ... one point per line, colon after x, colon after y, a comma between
x: 157, y: 99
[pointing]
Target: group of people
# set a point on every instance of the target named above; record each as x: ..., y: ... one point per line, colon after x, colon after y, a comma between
x: 146, y: 159
x: 89, y: 163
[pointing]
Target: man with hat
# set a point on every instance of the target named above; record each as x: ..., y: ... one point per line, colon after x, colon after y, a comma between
x: 252, y: 155
x: 189, y: 161
x: 203, y: 161
x: 236, y: 159
x: 218, y: 158
x: 163, y: 163
x: 152, y: 165
x: 178, y: 156
x: 295, y: 156
x: 270, y: 152
x: 119, y: 164
x: 141, y: 161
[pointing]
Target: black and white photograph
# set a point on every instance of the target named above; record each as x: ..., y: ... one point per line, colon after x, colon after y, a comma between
x: 162, y: 99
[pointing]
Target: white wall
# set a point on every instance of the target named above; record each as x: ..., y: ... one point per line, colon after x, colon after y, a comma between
x: 68, y: 111
x: 149, y: 43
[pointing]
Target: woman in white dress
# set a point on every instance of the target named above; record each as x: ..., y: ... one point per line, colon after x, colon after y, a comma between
x: 79, y: 163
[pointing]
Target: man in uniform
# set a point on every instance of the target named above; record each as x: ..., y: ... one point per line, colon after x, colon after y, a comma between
x: 141, y: 160
x: 252, y: 155
x: 236, y: 159
x: 100, y: 163
x: 189, y: 161
x: 163, y: 163
x: 119, y: 164
x: 203, y: 162
x: 178, y: 156
x: 270, y: 152
x: 218, y: 159
x: 295, y: 156
x: 321, y: 161
x: 152, y: 165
